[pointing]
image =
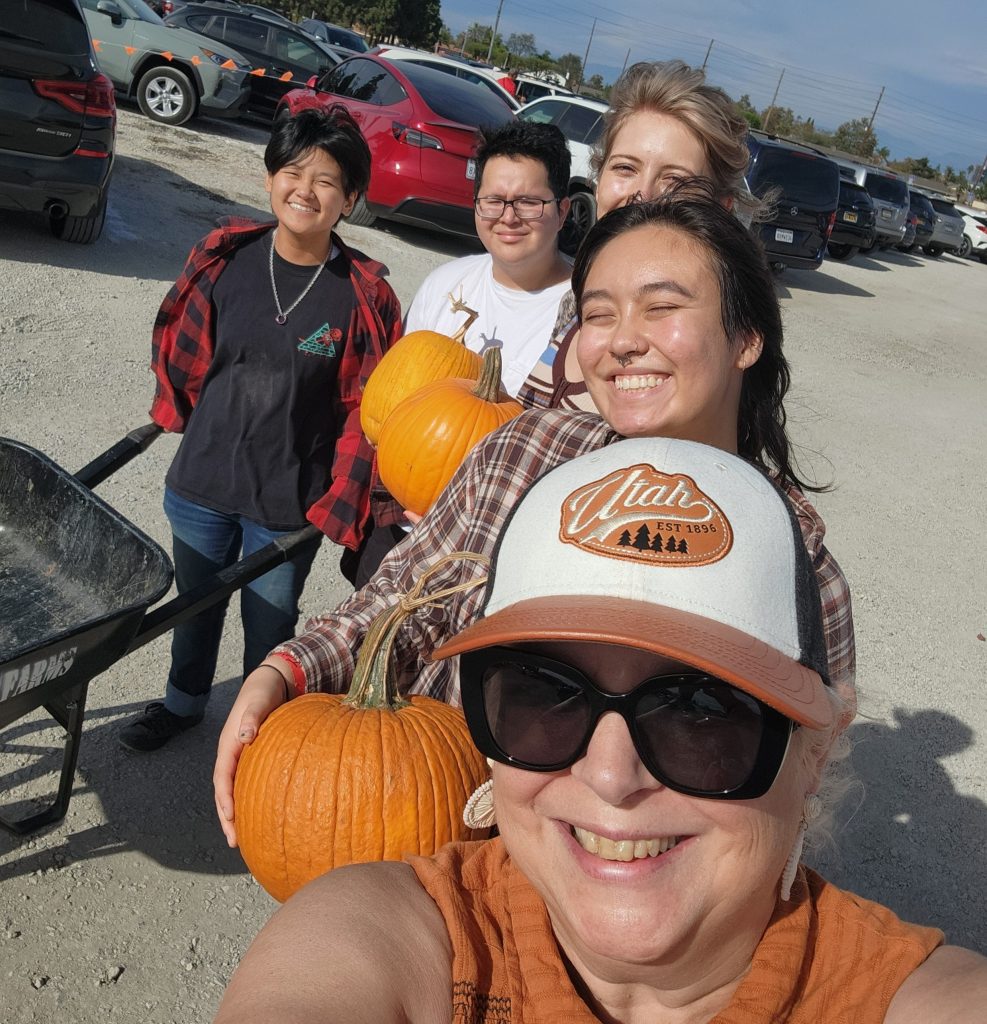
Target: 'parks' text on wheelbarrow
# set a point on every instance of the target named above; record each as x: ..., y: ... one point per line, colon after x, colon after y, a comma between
x: 76, y: 582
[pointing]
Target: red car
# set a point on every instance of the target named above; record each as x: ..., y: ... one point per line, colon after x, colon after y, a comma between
x: 421, y: 128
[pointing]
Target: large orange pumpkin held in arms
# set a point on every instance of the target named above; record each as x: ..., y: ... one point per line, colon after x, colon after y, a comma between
x: 333, y: 780
x: 415, y: 360
x: 427, y: 436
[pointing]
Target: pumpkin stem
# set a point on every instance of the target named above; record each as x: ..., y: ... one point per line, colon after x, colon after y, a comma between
x: 488, y: 385
x: 458, y: 306
x: 373, y: 684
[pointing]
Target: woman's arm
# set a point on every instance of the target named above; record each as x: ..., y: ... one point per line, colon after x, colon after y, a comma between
x: 949, y: 988
x: 362, y: 944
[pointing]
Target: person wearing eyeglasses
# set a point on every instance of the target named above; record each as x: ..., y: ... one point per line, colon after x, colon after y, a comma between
x: 648, y: 679
x: 520, y: 205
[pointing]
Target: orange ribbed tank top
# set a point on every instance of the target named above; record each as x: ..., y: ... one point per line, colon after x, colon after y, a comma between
x: 827, y: 956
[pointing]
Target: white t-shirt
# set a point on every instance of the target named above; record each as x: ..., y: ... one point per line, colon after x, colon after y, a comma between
x: 519, y: 322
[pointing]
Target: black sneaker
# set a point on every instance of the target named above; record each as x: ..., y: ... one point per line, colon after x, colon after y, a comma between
x: 155, y: 727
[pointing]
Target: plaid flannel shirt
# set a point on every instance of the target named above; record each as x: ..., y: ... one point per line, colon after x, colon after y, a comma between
x: 468, y: 516
x: 182, y: 349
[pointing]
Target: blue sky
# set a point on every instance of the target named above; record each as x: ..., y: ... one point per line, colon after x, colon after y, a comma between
x: 836, y: 56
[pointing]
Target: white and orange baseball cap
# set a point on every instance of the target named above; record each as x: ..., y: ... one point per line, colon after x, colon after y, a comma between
x: 668, y: 546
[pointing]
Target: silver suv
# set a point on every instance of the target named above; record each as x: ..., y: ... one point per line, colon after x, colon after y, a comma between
x: 171, y: 72
x: 890, y: 196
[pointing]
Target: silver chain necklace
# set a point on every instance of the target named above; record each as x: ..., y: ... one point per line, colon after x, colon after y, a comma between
x: 282, y: 316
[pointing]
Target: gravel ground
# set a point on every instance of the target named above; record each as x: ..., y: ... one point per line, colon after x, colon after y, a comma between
x: 133, y: 908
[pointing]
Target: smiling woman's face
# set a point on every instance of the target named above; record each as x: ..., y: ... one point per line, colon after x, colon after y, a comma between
x: 717, y: 882
x: 652, y: 348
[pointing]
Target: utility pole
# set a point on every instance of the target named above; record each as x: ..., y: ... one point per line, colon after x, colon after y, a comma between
x: 493, y: 35
x: 870, y: 123
x: 626, y: 59
x: 708, y: 48
x: 582, y: 76
x: 771, y: 109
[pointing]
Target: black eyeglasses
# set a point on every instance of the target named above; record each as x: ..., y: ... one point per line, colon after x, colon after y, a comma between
x: 695, y: 733
x: 525, y: 207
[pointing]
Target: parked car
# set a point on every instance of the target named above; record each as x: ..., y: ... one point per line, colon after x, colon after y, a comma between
x: 581, y: 122
x: 530, y: 87
x: 166, y: 7
x: 421, y: 126
x: 57, y: 120
x: 469, y: 73
x: 889, y: 194
x: 335, y: 34
x: 948, y: 234
x: 924, y: 217
x: 853, y: 228
x: 974, y: 233
x: 805, y: 188
x: 172, y: 73
x: 288, y: 56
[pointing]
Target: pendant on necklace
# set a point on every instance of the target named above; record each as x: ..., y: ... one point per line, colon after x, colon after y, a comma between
x: 281, y: 319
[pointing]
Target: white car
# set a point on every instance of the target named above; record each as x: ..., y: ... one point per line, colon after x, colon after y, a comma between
x: 467, y: 72
x: 974, y: 233
x: 581, y: 121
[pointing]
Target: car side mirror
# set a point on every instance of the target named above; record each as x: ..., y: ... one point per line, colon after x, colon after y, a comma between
x: 111, y: 10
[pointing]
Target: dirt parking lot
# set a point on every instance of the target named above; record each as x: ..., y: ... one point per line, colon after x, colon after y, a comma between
x: 134, y: 909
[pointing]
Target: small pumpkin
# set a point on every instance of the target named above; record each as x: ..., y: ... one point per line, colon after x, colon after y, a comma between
x: 427, y: 436
x: 333, y: 780
x: 412, y: 362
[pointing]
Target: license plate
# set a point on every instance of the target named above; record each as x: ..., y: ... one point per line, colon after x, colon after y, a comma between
x: 470, y: 170
x: 850, y: 217
x: 781, y: 235
x: 886, y: 214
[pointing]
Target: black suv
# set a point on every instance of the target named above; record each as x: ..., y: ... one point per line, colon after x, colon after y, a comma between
x: 921, y: 210
x: 288, y: 56
x: 853, y: 228
x: 804, y: 188
x: 57, y: 120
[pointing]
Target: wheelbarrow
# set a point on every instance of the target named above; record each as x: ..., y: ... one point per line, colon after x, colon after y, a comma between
x: 76, y: 582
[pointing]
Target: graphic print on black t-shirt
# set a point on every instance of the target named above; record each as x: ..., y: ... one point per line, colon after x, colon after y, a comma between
x: 261, y: 439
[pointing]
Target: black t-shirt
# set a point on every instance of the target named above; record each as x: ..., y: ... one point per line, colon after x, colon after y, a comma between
x: 261, y: 438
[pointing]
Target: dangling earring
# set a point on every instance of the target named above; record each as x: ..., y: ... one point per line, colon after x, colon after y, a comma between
x: 479, y: 810
x: 811, y: 809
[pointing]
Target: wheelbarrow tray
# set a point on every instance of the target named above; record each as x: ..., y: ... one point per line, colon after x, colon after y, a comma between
x: 75, y: 580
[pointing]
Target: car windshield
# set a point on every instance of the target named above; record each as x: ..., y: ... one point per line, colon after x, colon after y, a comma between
x: 946, y: 209
x: 888, y: 190
x: 853, y: 193
x: 454, y: 99
x: 802, y: 178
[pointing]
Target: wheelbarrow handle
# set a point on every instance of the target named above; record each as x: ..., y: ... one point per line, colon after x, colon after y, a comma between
x: 105, y: 465
x: 220, y: 585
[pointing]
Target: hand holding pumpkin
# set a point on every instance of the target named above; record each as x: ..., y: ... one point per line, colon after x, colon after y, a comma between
x: 262, y: 692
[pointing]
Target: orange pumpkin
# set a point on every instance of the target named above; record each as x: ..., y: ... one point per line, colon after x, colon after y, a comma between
x: 331, y: 780
x: 428, y: 435
x: 415, y: 360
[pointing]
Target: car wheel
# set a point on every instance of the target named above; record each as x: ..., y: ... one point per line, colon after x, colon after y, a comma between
x: 167, y: 95
x: 907, y: 248
x: 777, y: 267
x: 965, y: 248
x: 361, y: 215
x: 932, y: 250
x: 865, y: 249
x: 80, y: 229
x: 582, y: 216
x: 838, y: 251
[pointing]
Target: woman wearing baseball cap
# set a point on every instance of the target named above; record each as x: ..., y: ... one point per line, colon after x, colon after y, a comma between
x: 648, y: 678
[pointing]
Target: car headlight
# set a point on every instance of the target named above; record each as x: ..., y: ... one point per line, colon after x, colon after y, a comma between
x: 222, y: 58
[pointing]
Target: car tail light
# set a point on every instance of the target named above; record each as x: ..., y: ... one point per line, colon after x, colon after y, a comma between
x: 414, y: 137
x: 829, y: 224
x: 92, y: 97
x: 167, y: 7
x: 982, y: 228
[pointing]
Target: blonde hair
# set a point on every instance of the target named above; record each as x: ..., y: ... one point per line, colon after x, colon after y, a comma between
x: 673, y: 88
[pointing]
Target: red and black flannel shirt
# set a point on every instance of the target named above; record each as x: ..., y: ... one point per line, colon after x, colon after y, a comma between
x: 182, y: 349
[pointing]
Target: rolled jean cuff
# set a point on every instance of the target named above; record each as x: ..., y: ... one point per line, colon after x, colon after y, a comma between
x: 178, y: 702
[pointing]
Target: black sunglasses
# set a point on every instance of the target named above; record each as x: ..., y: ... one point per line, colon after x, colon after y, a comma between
x: 695, y: 733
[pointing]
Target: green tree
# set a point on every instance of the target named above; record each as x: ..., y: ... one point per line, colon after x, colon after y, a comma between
x: 855, y: 137
x: 521, y: 45
x: 417, y: 22
x: 595, y: 82
x: 748, y: 112
x: 570, y: 65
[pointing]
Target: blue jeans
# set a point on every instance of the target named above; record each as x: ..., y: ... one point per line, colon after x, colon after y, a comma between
x: 205, y: 541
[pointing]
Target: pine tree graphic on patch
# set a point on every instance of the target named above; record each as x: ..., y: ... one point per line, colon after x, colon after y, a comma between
x: 322, y: 342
